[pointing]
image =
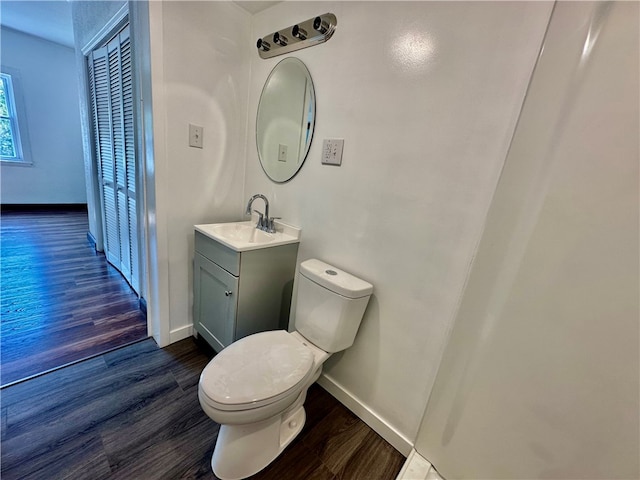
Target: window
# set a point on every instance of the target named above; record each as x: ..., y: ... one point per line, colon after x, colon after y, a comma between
x: 10, y: 145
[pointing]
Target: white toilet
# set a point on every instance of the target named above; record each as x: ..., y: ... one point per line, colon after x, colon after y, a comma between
x: 255, y: 388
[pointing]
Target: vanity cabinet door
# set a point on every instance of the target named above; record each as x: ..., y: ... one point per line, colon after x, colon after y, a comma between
x: 215, y: 293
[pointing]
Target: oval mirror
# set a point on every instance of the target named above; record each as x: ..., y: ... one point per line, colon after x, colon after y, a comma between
x: 286, y: 115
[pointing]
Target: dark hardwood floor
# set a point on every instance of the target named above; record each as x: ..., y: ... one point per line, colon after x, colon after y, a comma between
x: 60, y: 300
x: 133, y: 413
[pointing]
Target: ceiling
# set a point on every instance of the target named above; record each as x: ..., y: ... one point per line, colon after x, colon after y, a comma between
x: 255, y: 6
x: 51, y: 19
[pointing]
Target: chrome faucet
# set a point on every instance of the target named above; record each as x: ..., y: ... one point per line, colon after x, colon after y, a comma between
x: 265, y: 222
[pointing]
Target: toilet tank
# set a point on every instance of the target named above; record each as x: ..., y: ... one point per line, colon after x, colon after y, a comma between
x: 330, y: 305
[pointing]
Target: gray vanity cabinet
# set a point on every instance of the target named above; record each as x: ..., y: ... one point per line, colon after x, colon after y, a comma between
x: 236, y: 294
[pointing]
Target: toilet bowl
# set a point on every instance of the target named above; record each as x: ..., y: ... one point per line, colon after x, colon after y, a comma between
x: 258, y: 377
x: 256, y: 387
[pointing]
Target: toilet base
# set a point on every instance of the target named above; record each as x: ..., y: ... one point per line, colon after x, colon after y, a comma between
x: 244, y: 450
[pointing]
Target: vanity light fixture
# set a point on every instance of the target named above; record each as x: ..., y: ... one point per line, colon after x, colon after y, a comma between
x: 305, y: 34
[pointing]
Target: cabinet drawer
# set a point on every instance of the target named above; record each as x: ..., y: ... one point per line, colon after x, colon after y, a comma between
x: 218, y: 253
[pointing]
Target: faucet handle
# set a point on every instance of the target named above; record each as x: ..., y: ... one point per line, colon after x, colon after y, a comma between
x: 271, y: 228
x: 261, y: 221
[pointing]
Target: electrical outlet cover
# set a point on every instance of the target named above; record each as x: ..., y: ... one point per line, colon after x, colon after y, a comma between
x: 332, y: 151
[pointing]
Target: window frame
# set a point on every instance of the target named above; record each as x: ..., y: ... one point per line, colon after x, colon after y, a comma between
x: 17, y: 118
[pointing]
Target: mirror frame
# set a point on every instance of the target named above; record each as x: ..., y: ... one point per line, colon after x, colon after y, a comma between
x: 303, y: 157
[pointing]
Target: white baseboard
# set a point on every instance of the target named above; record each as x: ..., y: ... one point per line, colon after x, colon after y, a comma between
x: 180, y: 333
x: 368, y: 416
x: 415, y: 468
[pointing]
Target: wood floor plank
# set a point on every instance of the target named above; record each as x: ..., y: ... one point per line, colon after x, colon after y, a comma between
x: 171, y: 457
x: 3, y: 421
x: 56, y: 355
x: 336, y: 441
x: 134, y: 413
x: 299, y: 459
x: 80, y: 457
x: 60, y: 301
x: 115, y: 398
x: 189, y: 362
x: 158, y: 421
x: 94, y: 465
x: 374, y: 458
x: 318, y: 405
x: 25, y: 399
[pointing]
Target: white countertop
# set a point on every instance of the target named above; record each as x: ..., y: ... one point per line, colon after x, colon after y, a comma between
x: 243, y: 236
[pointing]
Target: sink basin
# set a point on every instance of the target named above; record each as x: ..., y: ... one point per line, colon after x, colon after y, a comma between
x: 241, y: 232
x: 243, y: 236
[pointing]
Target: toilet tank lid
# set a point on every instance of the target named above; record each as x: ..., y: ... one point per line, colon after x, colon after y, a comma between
x: 334, y: 279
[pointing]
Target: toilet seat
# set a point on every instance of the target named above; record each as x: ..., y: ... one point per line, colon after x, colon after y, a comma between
x: 255, y: 371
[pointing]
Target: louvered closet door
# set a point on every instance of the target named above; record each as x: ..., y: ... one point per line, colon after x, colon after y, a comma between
x: 111, y: 88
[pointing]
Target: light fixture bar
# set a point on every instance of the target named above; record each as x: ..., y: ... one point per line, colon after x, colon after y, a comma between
x: 305, y: 34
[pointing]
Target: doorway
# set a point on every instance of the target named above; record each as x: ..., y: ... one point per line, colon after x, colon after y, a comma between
x: 55, y: 308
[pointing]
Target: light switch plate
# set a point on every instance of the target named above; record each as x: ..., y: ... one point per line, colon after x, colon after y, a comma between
x: 195, y: 136
x: 332, y: 151
x: 282, y: 152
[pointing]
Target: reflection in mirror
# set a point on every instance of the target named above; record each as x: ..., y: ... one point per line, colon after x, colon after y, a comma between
x: 286, y: 114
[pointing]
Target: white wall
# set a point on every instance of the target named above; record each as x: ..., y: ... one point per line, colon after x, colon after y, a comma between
x: 541, y: 376
x: 47, y: 73
x: 426, y: 96
x: 200, y: 74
